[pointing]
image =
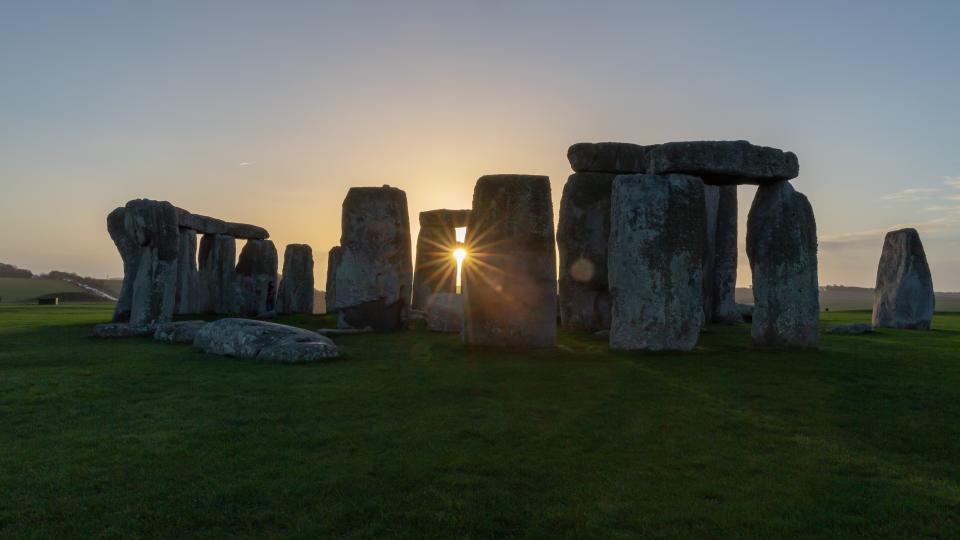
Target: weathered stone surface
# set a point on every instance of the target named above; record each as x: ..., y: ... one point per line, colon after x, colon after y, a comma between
x: 723, y: 162
x: 711, y: 196
x: 218, y: 276
x: 857, y: 328
x: 745, y: 311
x: 178, y: 332
x: 656, y: 261
x: 582, y: 236
x: 724, y: 276
x: 119, y: 330
x: 509, y: 280
x: 782, y: 248
x: 153, y: 227
x: 209, y: 225
x: 609, y: 157
x: 129, y: 252
x: 257, y: 277
x: 436, y: 267
x: 296, y: 288
x: 261, y: 340
x: 375, y: 273
x: 445, y: 218
x: 903, y: 297
x: 445, y: 312
x: 188, y: 279
x: 330, y: 295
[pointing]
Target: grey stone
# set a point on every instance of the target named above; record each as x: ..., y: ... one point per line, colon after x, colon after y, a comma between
x: 609, y: 157
x: 121, y: 330
x: 375, y: 273
x: 858, y: 328
x: 296, y: 288
x: 711, y: 196
x: 509, y: 280
x: 445, y: 218
x: 724, y: 162
x: 330, y: 295
x: 344, y: 331
x: 436, y: 268
x: 724, y: 276
x: 209, y: 225
x: 656, y: 261
x: 582, y: 236
x: 257, y: 277
x: 782, y: 248
x: 903, y: 297
x: 153, y: 227
x: 260, y: 340
x: 218, y: 276
x: 445, y: 312
x: 188, y: 279
x: 178, y: 332
x: 129, y: 252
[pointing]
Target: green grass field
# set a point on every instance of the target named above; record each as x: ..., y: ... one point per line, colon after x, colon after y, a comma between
x: 414, y: 435
x: 21, y: 290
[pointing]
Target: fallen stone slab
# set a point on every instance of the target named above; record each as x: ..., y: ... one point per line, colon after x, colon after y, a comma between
x: 260, y: 340
x: 344, y: 331
x: 903, y: 297
x: 858, y: 328
x: 121, y: 330
x: 724, y: 162
x: 179, y: 331
x: 609, y: 157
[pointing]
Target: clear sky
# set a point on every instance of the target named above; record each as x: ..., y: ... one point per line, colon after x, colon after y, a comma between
x: 267, y: 112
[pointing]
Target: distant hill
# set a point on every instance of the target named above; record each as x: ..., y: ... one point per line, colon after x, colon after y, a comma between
x: 28, y: 290
x: 842, y: 298
x: 11, y: 271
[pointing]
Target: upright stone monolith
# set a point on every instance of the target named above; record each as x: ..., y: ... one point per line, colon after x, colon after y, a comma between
x: 657, y: 237
x: 904, y: 296
x: 257, y: 275
x: 582, y: 235
x: 723, y: 301
x: 509, y: 280
x: 296, y: 286
x: 782, y: 248
x: 375, y: 273
x: 711, y: 196
x: 218, y: 274
x: 153, y: 227
x: 435, y: 270
x: 129, y: 253
x: 330, y: 295
x: 188, y: 279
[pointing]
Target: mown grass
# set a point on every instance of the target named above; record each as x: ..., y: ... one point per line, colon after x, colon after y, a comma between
x: 415, y: 435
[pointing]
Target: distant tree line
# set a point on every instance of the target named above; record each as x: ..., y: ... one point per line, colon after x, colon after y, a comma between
x: 11, y: 271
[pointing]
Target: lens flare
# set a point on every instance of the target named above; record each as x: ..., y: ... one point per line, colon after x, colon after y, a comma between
x: 459, y: 254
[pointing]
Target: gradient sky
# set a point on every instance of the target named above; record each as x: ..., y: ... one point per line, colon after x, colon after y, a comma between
x: 267, y: 112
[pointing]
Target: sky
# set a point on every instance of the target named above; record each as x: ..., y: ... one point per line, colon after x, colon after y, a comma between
x: 267, y: 112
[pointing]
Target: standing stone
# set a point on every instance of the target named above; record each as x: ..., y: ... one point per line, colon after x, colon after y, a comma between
x: 296, y: 288
x: 445, y: 312
x: 153, y: 227
x: 435, y: 270
x: 330, y: 295
x: 782, y: 248
x: 656, y: 261
x: 711, y: 196
x: 375, y: 274
x: 582, y: 236
x: 724, y: 276
x: 257, y: 277
x: 129, y: 253
x: 510, y: 279
x: 904, y: 295
x: 218, y: 276
x: 188, y: 279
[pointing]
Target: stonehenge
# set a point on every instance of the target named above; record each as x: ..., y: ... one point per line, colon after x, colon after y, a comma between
x: 435, y: 269
x: 257, y: 277
x: 375, y: 271
x: 333, y: 261
x: 219, y: 288
x: 188, y: 278
x: 295, y: 294
x: 509, y: 279
x: 782, y: 248
x: 656, y: 262
x: 903, y: 297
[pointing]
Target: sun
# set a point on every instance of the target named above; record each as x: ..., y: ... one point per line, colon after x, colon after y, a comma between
x: 459, y: 254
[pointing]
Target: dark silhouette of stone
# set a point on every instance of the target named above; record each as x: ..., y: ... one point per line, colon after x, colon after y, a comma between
x: 178, y: 332
x: 218, y: 275
x: 257, y: 277
x: 122, y: 330
x: 129, y: 253
x: 188, y: 279
x: 903, y: 297
x: 265, y: 341
x: 444, y: 312
x: 209, y: 225
x: 609, y: 157
x: 330, y: 295
x: 657, y: 236
x: 582, y: 236
x: 296, y: 287
x: 723, y: 162
x: 509, y: 280
x: 782, y: 248
x: 152, y: 225
x: 375, y: 273
x: 723, y: 301
x: 711, y: 196
x: 436, y: 268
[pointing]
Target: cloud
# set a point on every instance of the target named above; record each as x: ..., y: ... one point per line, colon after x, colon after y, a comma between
x: 910, y: 194
x: 941, y: 207
x: 952, y: 181
x: 874, y: 237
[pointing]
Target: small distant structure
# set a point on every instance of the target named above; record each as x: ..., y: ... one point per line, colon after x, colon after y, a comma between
x: 48, y: 301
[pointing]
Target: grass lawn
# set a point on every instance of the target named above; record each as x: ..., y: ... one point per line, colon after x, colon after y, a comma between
x: 414, y: 435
